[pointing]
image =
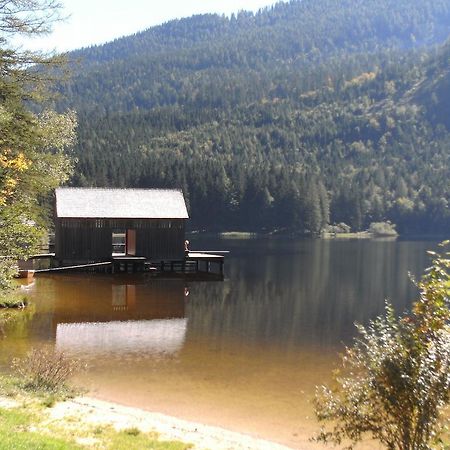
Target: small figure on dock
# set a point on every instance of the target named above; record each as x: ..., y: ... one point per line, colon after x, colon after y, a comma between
x: 186, y: 248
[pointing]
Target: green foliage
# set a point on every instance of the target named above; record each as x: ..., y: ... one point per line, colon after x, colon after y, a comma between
x: 8, y: 268
x: 33, y: 138
x: 13, y: 300
x: 291, y: 118
x: 396, y: 378
x: 382, y: 229
x: 340, y: 228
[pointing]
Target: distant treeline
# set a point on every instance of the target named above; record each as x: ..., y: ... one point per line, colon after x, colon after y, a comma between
x: 306, y: 113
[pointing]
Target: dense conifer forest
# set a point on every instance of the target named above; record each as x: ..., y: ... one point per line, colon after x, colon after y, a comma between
x: 306, y: 113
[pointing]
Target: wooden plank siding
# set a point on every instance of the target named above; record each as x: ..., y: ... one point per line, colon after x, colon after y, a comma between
x: 84, y: 240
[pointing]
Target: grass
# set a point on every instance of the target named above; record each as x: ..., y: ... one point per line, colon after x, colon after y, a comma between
x: 38, y: 383
x: 27, y: 424
x: 124, y: 440
x: 14, y: 387
x: 16, y: 427
x: 26, y: 427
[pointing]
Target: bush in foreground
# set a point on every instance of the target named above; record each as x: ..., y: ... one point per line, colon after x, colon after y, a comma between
x: 397, y: 375
x: 45, y: 371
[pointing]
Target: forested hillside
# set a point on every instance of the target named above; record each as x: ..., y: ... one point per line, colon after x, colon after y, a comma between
x: 307, y: 113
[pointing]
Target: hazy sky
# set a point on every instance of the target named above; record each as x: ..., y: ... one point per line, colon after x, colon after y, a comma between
x: 98, y: 21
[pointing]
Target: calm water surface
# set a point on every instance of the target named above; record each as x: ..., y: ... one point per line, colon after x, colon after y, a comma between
x: 244, y: 354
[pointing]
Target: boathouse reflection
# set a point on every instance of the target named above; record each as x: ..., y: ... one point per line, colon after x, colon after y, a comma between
x: 118, y: 316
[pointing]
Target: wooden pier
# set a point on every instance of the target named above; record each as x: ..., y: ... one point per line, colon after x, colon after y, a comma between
x: 77, y: 267
x: 208, y: 260
x: 129, y: 264
x: 195, y: 265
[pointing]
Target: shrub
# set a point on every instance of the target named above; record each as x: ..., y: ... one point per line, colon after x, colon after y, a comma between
x: 45, y: 370
x: 8, y: 269
x: 340, y: 228
x: 383, y: 229
x: 397, y: 375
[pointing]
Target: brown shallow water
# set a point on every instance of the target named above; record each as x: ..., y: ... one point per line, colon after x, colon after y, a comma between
x: 245, y: 354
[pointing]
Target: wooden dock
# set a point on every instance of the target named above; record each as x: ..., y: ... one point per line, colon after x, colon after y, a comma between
x: 208, y: 260
x: 129, y: 264
x: 79, y: 267
x: 196, y: 264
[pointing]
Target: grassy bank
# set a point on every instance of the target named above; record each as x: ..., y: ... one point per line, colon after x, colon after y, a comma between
x: 27, y: 423
x: 58, y: 421
x: 13, y: 300
x: 38, y: 410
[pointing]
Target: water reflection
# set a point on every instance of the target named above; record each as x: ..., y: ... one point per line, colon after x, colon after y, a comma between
x: 102, y: 316
x: 297, y: 293
x: 143, y: 317
x: 144, y: 337
x: 100, y: 298
x: 245, y: 354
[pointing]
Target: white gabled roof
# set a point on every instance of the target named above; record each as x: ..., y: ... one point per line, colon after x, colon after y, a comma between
x: 105, y: 203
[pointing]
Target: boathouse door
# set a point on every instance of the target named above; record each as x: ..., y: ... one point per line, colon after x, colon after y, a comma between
x: 131, y: 242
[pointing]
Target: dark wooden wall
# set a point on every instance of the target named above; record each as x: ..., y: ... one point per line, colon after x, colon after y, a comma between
x: 84, y: 240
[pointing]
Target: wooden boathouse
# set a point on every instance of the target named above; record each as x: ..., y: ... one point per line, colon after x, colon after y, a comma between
x: 99, y: 224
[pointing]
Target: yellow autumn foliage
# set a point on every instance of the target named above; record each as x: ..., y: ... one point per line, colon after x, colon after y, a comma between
x: 361, y: 79
x: 18, y: 162
x: 10, y: 168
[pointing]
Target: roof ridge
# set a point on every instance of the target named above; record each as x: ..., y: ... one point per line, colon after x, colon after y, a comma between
x: 123, y: 203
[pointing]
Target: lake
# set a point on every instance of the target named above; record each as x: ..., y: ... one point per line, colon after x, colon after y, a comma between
x: 245, y: 353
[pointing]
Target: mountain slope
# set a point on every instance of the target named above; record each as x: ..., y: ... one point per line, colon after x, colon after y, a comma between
x: 433, y: 91
x: 306, y: 113
x: 165, y: 65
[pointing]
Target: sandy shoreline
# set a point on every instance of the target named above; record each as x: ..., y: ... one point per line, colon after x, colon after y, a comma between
x: 84, y: 413
x: 203, y: 437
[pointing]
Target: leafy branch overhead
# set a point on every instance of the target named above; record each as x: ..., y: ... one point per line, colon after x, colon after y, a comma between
x: 28, y: 17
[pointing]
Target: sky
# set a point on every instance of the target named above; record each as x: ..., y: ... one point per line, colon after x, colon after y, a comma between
x: 97, y: 21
